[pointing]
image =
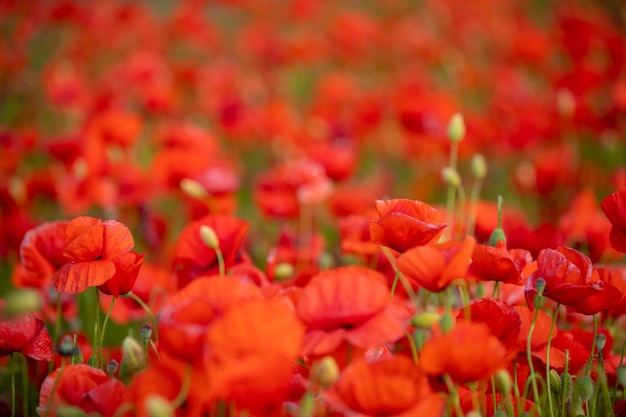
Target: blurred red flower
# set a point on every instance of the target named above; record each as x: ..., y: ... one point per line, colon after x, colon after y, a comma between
x: 82, y: 386
x: 404, y: 224
x: 98, y: 252
x: 27, y: 335
x: 614, y: 206
x: 41, y: 254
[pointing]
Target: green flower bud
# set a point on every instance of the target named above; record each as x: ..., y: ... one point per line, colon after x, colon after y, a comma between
x: 555, y: 381
x: 209, y: 237
x: 540, y: 285
x: 504, y: 383
x: 584, y: 385
x: 566, y: 387
x: 456, y: 128
x: 132, y: 353
x: 66, y: 346
x: 426, y: 319
x: 325, y: 372
x: 479, y: 166
x: 600, y: 341
x: 446, y: 322
x: 193, y: 189
x: 146, y: 332
x: 284, y: 271
x: 496, y: 236
x: 451, y: 177
x: 157, y: 406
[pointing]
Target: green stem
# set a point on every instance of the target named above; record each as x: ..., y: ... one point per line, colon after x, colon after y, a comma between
x: 395, y: 283
x: 593, y: 345
x: 13, y: 386
x: 454, y: 395
x: 450, y: 202
x: 496, y: 290
x: 147, y: 310
x: 24, y: 385
x: 549, y: 393
x: 184, y: 388
x: 104, y: 326
x: 563, y: 400
x: 97, y: 329
x: 621, y: 362
x: 220, y: 261
x: 530, y: 359
x: 412, y: 345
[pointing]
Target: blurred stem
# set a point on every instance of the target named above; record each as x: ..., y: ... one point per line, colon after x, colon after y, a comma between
x: 530, y: 358
x: 184, y: 388
x: 412, y: 345
x: 405, y: 282
x: 454, y: 150
x: 220, y: 261
x: 563, y: 400
x: 24, y: 385
x: 104, y: 326
x: 474, y: 196
x: 593, y: 344
x: 621, y: 362
x: 12, y: 361
x: 496, y: 290
x: 395, y: 282
x: 549, y: 393
x: 97, y: 329
x: 458, y: 411
x: 147, y: 310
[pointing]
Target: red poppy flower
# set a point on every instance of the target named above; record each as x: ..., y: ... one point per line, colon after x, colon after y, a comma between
x: 27, y: 335
x: 349, y: 304
x: 194, y: 258
x: 41, y: 254
x: 390, y: 386
x: 97, y: 252
x: 250, y: 352
x: 614, y: 206
x: 82, y: 386
x: 190, y: 312
x: 434, y: 267
x: 469, y: 352
x: 355, y: 237
x: 569, y: 275
x: 499, y: 264
x: 503, y: 321
x: 404, y: 224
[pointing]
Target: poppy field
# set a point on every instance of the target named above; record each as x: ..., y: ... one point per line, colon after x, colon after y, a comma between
x: 269, y: 208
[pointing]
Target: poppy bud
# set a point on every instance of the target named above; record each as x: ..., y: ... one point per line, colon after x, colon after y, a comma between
x: 426, y: 319
x: 283, y: 271
x: 584, y: 384
x: 451, y: 177
x: 157, y: 406
x: 540, y: 285
x: 146, y: 332
x: 209, y: 237
x: 503, y: 382
x: 22, y: 301
x: 566, y: 386
x: 193, y: 189
x: 479, y: 166
x: 555, y: 381
x: 112, y: 367
x: 497, y: 235
x: 419, y: 337
x: 77, y: 356
x: 66, y: 346
x: 69, y: 411
x: 456, y: 128
x: 324, y: 372
x: 132, y: 353
x: 621, y: 375
x: 600, y: 342
x: 474, y: 413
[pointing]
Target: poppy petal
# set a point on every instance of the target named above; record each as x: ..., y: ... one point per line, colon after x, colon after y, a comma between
x: 117, y: 239
x: 77, y: 277
x: 84, y: 239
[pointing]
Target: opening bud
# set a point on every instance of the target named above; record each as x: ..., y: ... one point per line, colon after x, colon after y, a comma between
x: 324, y: 372
x: 425, y: 320
x: 193, y: 189
x: 451, y: 177
x: 496, y: 236
x: 456, y: 128
x: 132, y: 353
x: 209, y: 237
x: 479, y: 166
x: 157, y: 406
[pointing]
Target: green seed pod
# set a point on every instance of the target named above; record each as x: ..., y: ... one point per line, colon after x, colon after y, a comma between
x: 283, y: 271
x: 132, y: 353
x: 426, y: 319
x: 209, y: 237
x: 479, y: 166
x: 497, y: 235
x: 555, y: 381
x: 584, y: 385
x: 566, y: 387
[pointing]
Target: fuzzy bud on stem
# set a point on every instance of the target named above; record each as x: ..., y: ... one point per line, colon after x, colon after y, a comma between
x: 451, y: 177
x: 209, y: 237
x: 193, y: 189
x: 325, y: 372
x: 456, y: 128
x: 479, y: 166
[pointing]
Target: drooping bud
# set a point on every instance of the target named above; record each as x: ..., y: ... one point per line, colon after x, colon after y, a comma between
x: 132, y: 353
x: 324, y: 372
x: 283, y: 271
x: 504, y: 383
x: 426, y: 319
x: 157, y: 406
x: 146, y: 332
x: 112, y: 367
x: 209, y: 237
x: 193, y: 189
x: 479, y: 166
x: 456, y: 128
x: 451, y: 177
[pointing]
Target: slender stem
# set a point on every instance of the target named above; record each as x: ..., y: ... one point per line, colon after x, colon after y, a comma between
x: 563, y: 400
x: 405, y: 282
x: 97, y: 329
x: 621, y: 362
x: 530, y: 359
x: 220, y: 261
x: 147, y: 310
x: 395, y: 283
x: 146, y: 347
x: 24, y: 385
x: 104, y: 326
x: 496, y: 290
x: 454, y: 149
x: 549, y: 393
x: 412, y: 345
x: 454, y: 395
x: 593, y: 345
x: 184, y: 388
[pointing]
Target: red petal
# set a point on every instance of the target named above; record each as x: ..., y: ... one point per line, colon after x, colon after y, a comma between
x: 127, y: 268
x: 40, y: 347
x: 77, y: 277
x: 117, y: 239
x: 84, y: 239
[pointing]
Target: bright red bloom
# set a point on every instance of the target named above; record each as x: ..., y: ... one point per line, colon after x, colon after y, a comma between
x: 434, y: 267
x: 349, y: 304
x: 41, y: 254
x: 404, y: 224
x: 194, y: 258
x: 613, y: 292
x: 614, y: 206
x: 390, y: 386
x: 97, y: 252
x: 469, y: 352
x: 82, y: 386
x: 569, y: 275
x: 499, y: 264
x: 27, y: 335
